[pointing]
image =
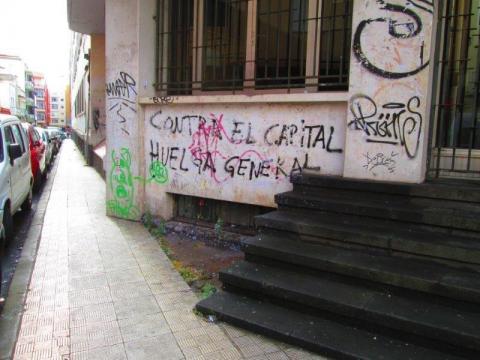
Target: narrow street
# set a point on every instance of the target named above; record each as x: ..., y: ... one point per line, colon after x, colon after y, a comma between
x: 102, y: 288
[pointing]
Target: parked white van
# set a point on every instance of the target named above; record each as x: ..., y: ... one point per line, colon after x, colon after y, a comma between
x: 16, y: 179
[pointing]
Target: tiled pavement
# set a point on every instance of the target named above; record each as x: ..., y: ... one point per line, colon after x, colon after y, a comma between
x: 103, y: 289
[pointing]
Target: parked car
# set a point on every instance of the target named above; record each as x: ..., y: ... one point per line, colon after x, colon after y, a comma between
x: 2, y: 249
x: 45, y: 137
x: 37, y: 154
x: 16, y: 179
x: 56, y: 141
x: 63, y: 134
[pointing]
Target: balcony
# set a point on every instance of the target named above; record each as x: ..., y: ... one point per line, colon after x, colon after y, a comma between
x: 86, y: 16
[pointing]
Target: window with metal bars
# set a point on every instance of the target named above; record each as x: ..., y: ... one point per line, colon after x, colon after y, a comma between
x: 457, y: 126
x: 224, y: 44
x: 235, y: 45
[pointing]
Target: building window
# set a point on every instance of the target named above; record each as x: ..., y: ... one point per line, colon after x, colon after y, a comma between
x: 335, y: 44
x: 40, y: 105
x: 224, y: 44
x: 80, y: 99
x: 281, y: 43
x: 40, y: 116
x: 55, y: 106
x: 235, y: 45
x: 54, y: 99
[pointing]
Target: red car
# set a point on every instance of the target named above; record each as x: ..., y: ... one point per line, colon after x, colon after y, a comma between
x: 37, y: 154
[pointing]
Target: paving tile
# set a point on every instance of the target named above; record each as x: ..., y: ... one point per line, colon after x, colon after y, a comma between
x: 144, y: 326
x: 121, y: 276
x: 116, y: 352
x: 160, y: 347
x: 130, y: 290
x: 84, y: 315
x: 135, y: 307
x: 89, y: 297
x: 88, y: 282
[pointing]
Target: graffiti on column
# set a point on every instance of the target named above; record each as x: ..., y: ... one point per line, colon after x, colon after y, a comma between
x: 121, y: 182
x: 403, y: 51
x: 397, y: 123
x: 122, y: 99
x: 381, y: 160
x: 122, y: 186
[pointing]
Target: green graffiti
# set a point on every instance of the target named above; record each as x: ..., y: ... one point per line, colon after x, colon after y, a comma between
x: 121, y: 185
x: 158, y: 173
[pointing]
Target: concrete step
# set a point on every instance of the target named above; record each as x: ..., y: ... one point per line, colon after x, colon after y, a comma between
x: 445, y: 189
x: 373, y: 233
x: 407, y: 312
x: 414, y: 274
x: 448, y: 214
x: 314, y: 333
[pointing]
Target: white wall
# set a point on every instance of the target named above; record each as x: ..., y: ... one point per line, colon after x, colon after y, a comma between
x: 241, y: 152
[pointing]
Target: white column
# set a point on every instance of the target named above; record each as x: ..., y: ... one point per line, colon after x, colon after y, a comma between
x: 389, y: 91
x: 124, y: 155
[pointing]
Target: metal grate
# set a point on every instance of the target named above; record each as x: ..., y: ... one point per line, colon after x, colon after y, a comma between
x: 335, y: 44
x: 236, y: 45
x: 281, y: 43
x: 174, y: 50
x: 224, y: 44
x: 457, y: 133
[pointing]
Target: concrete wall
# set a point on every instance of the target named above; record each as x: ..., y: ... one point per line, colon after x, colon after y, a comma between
x: 389, y: 91
x: 241, y: 152
x: 97, y: 124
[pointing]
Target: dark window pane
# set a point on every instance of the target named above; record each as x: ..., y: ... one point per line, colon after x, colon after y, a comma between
x: 458, y: 122
x: 281, y: 43
x: 9, y: 138
x: 335, y: 41
x: 224, y: 42
x: 175, y: 46
x: 18, y: 137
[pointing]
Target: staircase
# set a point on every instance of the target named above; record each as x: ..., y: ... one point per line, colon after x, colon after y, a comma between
x: 363, y: 270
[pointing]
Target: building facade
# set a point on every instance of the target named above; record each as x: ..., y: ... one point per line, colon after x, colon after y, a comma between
x: 29, y: 97
x: 87, y: 95
x: 41, y: 99
x: 225, y: 100
x: 13, y: 85
x: 57, y: 109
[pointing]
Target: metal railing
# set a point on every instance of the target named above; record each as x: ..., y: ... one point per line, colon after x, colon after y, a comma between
x: 246, y: 45
x: 456, y: 146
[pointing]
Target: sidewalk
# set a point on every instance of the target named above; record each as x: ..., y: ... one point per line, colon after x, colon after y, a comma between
x: 102, y: 288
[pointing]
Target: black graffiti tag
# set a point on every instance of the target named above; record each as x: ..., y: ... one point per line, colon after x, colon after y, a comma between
x: 122, y: 96
x: 397, y: 30
x: 396, y: 124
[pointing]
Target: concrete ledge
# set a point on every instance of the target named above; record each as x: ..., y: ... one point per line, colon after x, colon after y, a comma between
x: 320, y: 97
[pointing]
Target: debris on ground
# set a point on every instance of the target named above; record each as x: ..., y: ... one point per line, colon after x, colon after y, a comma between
x: 198, y: 253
